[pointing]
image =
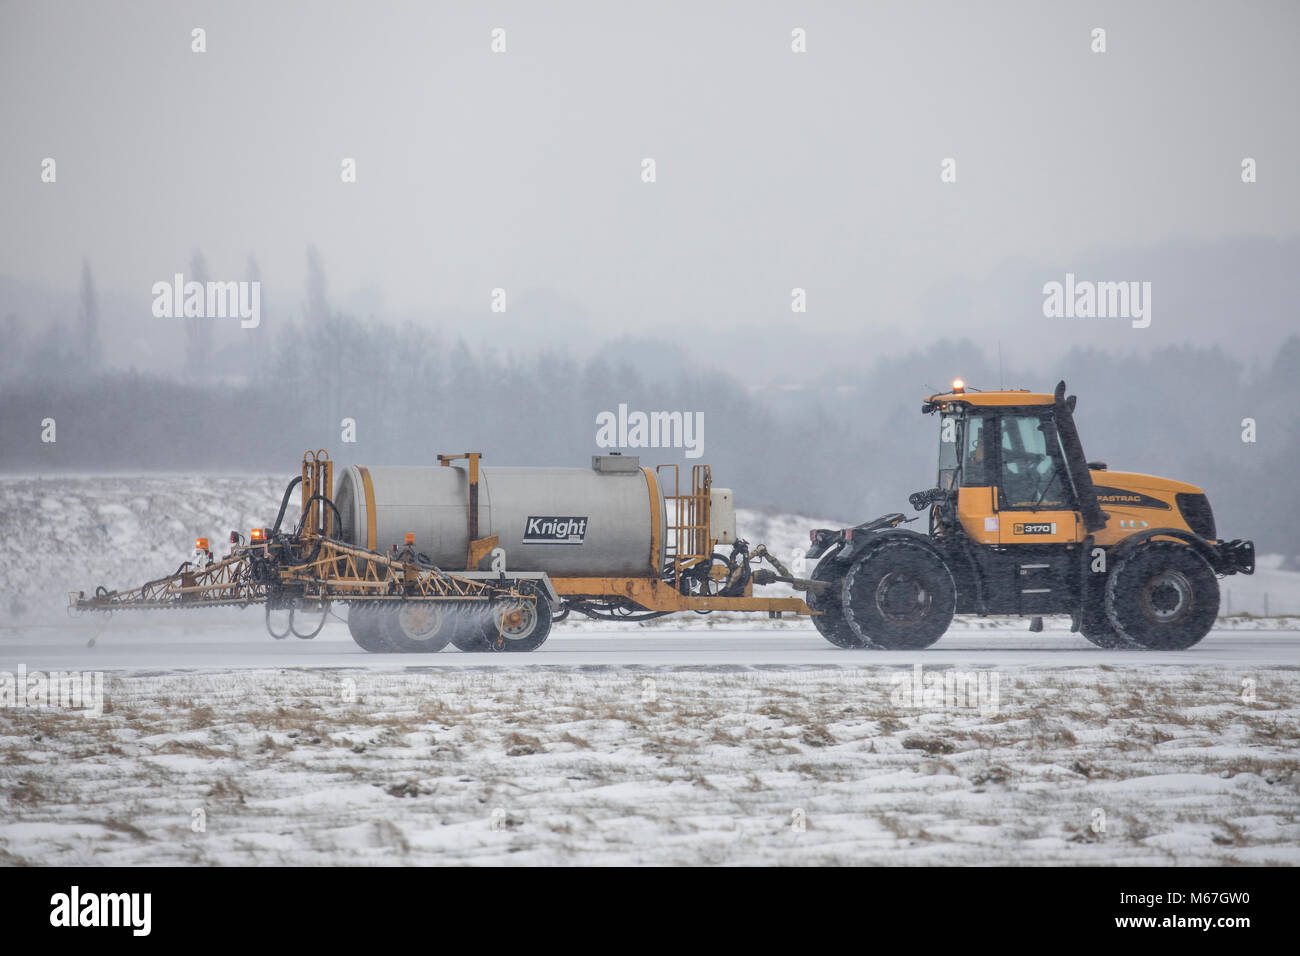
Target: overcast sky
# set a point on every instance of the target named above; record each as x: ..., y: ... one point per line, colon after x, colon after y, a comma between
x: 522, y: 170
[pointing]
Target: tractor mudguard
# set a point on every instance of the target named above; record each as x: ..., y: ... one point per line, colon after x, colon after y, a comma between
x: 860, y: 541
x: 1202, y: 547
x: 823, y: 540
x: 827, y: 539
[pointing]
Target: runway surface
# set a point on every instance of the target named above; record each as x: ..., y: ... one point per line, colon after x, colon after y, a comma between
x: 134, y: 646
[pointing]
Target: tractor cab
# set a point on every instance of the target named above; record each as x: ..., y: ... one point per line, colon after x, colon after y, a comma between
x: 1010, y: 467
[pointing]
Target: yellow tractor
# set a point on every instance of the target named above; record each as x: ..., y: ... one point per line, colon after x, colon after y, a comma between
x: 1021, y: 523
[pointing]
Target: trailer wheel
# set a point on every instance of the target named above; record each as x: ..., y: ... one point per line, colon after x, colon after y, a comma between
x: 1164, y: 596
x: 899, y: 595
x: 363, y: 625
x: 416, y: 627
x: 467, y: 629
x: 830, y: 622
x: 520, y: 625
x: 470, y: 636
x: 471, y: 642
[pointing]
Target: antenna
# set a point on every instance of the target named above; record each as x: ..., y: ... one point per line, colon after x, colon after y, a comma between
x: 1001, y: 381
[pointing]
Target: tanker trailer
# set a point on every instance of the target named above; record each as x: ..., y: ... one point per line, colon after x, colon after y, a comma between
x: 562, y: 521
x: 483, y: 558
x: 615, y: 541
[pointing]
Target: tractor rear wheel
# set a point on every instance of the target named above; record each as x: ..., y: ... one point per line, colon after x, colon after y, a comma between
x: 416, y: 627
x: 899, y: 595
x: 1164, y: 596
x: 830, y: 621
x: 363, y: 625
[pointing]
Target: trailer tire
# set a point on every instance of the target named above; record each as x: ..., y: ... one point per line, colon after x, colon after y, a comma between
x: 1164, y: 596
x: 830, y: 622
x: 471, y: 642
x: 468, y: 633
x: 522, y: 625
x: 416, y: 627
x: 363, y: 625
x: 899, y: 595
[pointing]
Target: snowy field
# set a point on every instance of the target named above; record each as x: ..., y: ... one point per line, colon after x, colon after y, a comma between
x: 693, y: 740
x: 1120, y: 762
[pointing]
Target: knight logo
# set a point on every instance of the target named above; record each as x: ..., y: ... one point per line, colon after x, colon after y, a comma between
x: 1038, y: 527
x: 552, y: 530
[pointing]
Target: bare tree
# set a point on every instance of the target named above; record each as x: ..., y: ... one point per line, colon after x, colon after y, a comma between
x: 198, y: 331
x: 91, y: 348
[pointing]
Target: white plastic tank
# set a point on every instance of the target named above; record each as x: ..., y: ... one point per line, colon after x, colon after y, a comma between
x: 605, y: 521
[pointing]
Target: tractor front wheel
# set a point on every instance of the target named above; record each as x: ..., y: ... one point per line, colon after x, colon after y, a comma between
x: 1096, y: 627
x: 1164, y: 596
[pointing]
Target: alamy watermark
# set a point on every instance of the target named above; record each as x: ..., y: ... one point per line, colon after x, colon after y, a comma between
x: 946, y: 690
x: 81, y: 691
x: 179, y: 299
x: 624, y: 429
x: 1084, y: 299
x: 130, y: 910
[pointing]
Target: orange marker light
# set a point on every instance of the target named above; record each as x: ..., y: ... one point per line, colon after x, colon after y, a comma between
x: 257, y: 535
x: 201, y: 544
x: 410, y: 538
x: 958, y: 385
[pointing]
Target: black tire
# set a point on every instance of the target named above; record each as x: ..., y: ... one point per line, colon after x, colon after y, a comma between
x: 899, y: 595
x: 1096, y: 627
x: 416, y: 627
x: 468, y: 632
x: 830, y: 622
x: 470, y: 640
x: 1163, y: 597
x: 521, y: 625
x: 363, y: 625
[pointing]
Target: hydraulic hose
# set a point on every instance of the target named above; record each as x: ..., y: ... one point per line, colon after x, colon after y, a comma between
x: 312, y: 500
x: 284, y: 504
x: 307, y: 559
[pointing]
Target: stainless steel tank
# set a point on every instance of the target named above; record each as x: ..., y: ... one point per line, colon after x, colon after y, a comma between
x: 605, y: 521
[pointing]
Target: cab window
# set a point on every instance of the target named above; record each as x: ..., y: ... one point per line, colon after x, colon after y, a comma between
x: 949, y: 436
x: 1032, y: 469
x: 977, y: 452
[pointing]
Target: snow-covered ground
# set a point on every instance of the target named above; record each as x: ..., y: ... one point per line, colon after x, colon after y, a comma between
x: 73, y: 534
x: 1155, y: 764
x: 689, y: 740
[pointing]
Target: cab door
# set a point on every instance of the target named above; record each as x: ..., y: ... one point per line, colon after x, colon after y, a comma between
x: 1035, y: 498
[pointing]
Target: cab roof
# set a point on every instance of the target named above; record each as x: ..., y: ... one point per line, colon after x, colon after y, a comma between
x: 1000, y: 398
